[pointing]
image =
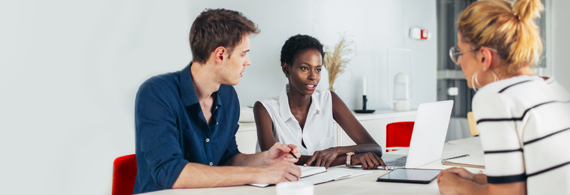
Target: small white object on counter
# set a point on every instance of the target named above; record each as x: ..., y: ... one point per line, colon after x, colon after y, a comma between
x: 246, y: 115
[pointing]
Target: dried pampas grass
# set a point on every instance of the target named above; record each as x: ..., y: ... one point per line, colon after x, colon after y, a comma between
x: 337, y: 57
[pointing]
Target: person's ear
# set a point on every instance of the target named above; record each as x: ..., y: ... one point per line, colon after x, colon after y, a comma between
x: 218, y: 54
x: 486, y: 57
x: 285, y: 68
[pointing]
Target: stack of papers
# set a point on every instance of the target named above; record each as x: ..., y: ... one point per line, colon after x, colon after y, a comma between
x: 318, y: 175
x: 335, y: 173
x: 311, y: 170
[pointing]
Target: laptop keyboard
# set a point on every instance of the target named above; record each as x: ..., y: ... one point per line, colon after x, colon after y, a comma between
x: 400, y: 162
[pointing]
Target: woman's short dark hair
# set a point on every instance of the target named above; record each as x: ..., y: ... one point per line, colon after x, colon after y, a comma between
x: 297, y: 44
x: 218, y: 27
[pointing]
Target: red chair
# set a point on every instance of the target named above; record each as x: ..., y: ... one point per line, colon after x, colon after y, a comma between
x: 124, y: 174
x: 399, y: 134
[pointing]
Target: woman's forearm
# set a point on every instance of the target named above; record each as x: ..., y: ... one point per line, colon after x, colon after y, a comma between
x: 339, y: 160
x: 339, y: 154
x: 303, y: 159
x: 480, y: 179
x: 361, y: 148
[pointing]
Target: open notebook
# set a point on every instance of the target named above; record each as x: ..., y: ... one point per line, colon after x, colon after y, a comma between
x: 474, y: 161
x: 317, y: 175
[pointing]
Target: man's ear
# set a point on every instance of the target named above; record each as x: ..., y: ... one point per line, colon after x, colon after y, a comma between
x: 285, y: 68
x: 218, y: 54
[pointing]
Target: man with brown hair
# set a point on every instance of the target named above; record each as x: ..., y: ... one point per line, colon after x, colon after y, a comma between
x: 186, y: 121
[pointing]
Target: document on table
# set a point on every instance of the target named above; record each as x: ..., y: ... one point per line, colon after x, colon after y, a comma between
x: 311, y: 170
x: 305, y: 172
x: 354, y: 172
x: 334, y: 174
x: 317, y: 175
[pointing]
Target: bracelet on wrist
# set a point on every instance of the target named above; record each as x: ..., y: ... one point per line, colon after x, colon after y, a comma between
x: 349, y: 158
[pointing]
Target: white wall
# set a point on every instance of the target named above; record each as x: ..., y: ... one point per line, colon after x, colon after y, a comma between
x: 560, y: 41
x: 376, y: 26
x: 69, y: 71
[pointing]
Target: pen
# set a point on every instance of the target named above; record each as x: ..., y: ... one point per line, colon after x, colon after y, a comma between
x: 292, y: 154
x: 455, y: 157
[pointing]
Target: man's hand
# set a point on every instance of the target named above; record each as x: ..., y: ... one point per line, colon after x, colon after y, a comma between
x: 323, y: 158
x: 279, y: 152
x: 282, y: 171
x: 368, y: 160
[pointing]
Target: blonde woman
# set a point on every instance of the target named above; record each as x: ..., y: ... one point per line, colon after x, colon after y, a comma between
x: 523, y: 119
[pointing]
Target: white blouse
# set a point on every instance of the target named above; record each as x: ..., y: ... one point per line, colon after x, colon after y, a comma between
x: 318, y: 132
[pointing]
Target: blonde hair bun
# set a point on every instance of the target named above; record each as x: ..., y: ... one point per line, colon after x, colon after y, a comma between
x: 507, y: 27
x: 527, y: 9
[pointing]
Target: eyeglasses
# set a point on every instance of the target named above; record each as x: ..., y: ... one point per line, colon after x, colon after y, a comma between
x: 454, y: 54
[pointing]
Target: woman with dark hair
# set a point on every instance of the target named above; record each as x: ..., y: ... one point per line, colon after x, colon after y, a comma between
x: 522, y: 119
x: 304, y: 116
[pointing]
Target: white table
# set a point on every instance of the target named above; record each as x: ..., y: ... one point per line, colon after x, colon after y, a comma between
x: 365, y: 184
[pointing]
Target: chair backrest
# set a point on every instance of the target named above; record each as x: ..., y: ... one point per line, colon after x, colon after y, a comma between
x: 399, y: 134
x: 472, y: 124
x: 124, y: 174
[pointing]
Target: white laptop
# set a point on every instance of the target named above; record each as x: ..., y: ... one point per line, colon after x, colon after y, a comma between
x: 428, y: 136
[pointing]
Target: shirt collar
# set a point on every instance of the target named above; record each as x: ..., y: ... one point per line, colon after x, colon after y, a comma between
x: 284, y: 105
x: 284, y: 109
x: 187, y: 90
x: 315, y: 105
x: 218, y: 101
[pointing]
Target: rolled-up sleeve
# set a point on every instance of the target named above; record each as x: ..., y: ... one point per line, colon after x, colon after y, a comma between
x: 157, y: 136
x: 232, y: 148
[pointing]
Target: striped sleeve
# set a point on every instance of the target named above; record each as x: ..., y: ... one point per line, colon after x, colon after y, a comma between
x: 500, y: 137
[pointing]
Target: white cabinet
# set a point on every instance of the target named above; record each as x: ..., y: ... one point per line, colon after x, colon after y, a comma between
x: 246, y: 138
x: 374, y: 123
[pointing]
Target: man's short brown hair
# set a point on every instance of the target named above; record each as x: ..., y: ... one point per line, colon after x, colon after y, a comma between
x: 218, y: 27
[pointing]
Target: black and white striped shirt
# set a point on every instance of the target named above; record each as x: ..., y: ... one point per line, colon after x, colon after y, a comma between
x: 524, y: 124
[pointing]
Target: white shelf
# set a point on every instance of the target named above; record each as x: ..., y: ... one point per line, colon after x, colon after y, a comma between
x: 382, y: 114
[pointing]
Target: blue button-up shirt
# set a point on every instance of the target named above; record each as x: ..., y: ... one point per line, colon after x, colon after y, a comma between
x: 171, y: 130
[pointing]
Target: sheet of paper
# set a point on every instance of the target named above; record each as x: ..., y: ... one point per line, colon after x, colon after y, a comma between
x: 305, y: 172
x: 330, y: 175
x: 261, y: 185
x: 318, y: 175
x: 355, y: 171
x: 311, y: 170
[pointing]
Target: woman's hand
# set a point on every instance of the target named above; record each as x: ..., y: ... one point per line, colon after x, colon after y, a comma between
x: 448, y: 182
x: 461, y: 172
x: 323, y: 158
x: 368, y: 160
